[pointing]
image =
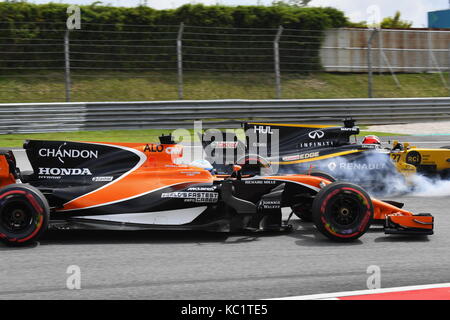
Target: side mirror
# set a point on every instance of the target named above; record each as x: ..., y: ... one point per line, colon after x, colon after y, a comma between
x: 236, y: 172
x: 236, y: 168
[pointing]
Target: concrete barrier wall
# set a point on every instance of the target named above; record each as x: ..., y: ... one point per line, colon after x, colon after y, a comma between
x: 345, y: 50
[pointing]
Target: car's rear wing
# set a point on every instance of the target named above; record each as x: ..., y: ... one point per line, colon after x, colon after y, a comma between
x: 297, y: 137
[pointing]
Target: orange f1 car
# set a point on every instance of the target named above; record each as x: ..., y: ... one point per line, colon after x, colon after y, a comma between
x: 131, y: 186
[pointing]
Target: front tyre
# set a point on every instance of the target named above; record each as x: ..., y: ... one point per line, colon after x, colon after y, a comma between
x: 342, y: 211
x: 24, y: 214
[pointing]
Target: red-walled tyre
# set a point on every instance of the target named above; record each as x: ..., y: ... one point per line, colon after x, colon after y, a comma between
x: 342, y: 211
x: 24, y: 214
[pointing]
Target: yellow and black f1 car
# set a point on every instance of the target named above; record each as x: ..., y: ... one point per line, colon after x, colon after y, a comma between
x: 430, y: 162
x: 335, y: 150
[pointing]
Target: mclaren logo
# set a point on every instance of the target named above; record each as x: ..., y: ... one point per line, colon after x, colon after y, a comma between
x: 61, y: 153
x: 317, y: 134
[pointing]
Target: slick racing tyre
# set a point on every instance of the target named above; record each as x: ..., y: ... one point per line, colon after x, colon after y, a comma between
x: 24, y: 214
x: 342, y: 211
x: 299, y: 210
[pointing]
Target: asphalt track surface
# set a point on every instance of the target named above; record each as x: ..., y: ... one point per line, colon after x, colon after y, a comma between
x: 193, y: 265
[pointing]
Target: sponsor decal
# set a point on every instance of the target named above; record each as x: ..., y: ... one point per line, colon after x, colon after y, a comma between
x: 413, y: 158
x: 349, y: 129
x: 64, y: 172
x: 224, y: 144
x: 259, y: 144
x: 291, y: 158
x: 213, y: 188
x: 197, y: 197
x: 317, y: 134
x: 362, y: 166
x: 174, y: 150
x: 356, y: 166
x: 332, y: 166
x: 427, y: 159
x: 326, y: 143
x: 102, y: 179
x: 260, y: 182
x: 61, y: 153
x: 369, y: 146
x: 263, y: 130
x: 270, y: 204
x: 301, y: 156
x: 160, y: 148
x: 153, y: 148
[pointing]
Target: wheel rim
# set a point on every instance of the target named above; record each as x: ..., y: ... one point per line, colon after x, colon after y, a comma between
x: 345, y: 210
x: 16, y: 216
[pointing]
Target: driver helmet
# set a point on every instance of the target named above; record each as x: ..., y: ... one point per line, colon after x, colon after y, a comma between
x: 371, y: 140
x: 204, y: 164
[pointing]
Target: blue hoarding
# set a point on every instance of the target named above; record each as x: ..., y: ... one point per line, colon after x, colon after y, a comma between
x: 439, y: 19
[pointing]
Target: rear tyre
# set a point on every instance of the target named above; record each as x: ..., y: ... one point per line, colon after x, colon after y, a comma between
x: 342, y: 211
x: 24, y: 214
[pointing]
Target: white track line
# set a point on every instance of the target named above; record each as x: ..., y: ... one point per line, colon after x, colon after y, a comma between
x: 335, y: 296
